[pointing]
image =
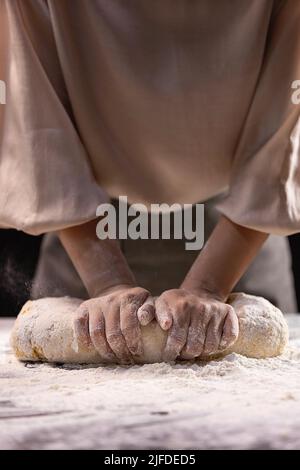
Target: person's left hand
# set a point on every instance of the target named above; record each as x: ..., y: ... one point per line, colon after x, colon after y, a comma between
x: 198, y: 325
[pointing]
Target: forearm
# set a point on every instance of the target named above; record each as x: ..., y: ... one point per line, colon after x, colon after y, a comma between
x: 224, y: 259
x: 100, y: 263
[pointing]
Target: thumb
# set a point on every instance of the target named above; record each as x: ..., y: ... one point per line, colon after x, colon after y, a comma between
x: 146, y: 312
x: 163, y: 314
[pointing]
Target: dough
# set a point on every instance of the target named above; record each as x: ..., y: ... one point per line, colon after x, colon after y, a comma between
x: 43, y: 331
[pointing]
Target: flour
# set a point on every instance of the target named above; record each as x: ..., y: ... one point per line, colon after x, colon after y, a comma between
x: 44, y: 332
x: 233, y: 403
x: 236, y: 402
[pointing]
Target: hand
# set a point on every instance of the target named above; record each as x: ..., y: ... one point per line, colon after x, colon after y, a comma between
x: 198, y: 325
x: 111, y: 322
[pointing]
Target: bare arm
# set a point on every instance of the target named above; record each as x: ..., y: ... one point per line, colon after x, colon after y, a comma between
x: 224, y: 259
x: 100, y: 263
x: 198, y: 320
x: 196, y: 315
x: 111, y: 319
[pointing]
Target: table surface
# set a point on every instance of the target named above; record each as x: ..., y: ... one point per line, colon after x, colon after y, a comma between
x: 233, y: 403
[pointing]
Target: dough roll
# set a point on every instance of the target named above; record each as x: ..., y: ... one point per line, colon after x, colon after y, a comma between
x: 43, y: 331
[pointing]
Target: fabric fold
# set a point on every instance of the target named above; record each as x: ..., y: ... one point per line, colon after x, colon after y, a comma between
x: 45, y: 177
x: 264, y: 191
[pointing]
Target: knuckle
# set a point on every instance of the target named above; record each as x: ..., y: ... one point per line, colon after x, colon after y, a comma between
x: 128, y: 297
x: 139, y: 290
x: 129, y: 322
x: 207, y: 310
x: 177, y: 337
x: 142, y: 292
x: 83, y: 306
x: 180, y: 315
x: 216, y: 312
x: 114, y: 337
x: 200, y: 308
x: 97, y: 331
x: 213, y: 318
x: 110, y: 299
x: 80, y: 317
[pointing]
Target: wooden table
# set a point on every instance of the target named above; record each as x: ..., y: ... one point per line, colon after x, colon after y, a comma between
x: 233, y: 403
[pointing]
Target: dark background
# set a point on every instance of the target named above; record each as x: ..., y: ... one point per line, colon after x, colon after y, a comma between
x: 19, y: 255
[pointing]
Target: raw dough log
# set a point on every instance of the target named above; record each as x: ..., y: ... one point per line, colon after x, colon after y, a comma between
x: 43, y: 331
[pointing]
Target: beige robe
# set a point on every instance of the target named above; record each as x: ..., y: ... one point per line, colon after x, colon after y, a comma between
x: 161, y: 101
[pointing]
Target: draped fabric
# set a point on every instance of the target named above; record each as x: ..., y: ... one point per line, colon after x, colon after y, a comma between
x: 162, y: 101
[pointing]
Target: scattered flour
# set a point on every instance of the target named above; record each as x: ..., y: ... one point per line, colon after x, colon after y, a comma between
x: 233, y: 403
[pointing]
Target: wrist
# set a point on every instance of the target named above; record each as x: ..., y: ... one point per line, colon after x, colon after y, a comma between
x: 110, y: 287
x: 114, y: 288
x: 204, y: 290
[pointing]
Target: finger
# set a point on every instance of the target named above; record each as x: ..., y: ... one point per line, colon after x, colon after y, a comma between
x: 196, y: 337
x: 177, y: 336
x: 163, y: 314
x: 146, y: 313
x: 97, y: 334
x: 213, y: 333
x: 130, y: 328
x: 114, y: 335
x: 197, y: 331
x: 230, y: 329
x: 81, y: 327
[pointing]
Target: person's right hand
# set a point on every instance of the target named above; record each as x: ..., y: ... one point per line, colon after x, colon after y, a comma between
x: 111, y: 322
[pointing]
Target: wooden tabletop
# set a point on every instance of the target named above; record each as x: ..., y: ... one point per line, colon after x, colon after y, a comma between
x: 234, y: 403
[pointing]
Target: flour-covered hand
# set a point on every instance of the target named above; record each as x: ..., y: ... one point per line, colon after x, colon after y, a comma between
x: 198, y: 325
x: 111, y: 322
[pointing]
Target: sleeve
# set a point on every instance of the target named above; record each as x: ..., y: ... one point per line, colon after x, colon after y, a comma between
x: 46, y: 181
x: 264, y: 192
